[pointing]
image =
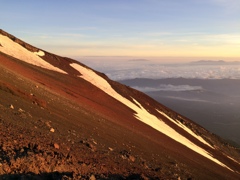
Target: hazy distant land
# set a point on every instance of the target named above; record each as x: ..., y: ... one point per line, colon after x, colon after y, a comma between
x: 214, y: 62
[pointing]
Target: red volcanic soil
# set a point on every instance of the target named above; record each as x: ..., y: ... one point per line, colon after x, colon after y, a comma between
x: 58, y: 126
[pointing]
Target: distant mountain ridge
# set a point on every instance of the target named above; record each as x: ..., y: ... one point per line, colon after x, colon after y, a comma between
x: 208, y: 61
x: 214, y: 62
x: 101, y: 118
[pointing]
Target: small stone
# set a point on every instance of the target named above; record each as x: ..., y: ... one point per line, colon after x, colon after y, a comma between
x: 131, y: 158
x: 56, y: 146
x: 92, y: 177
x: 91, y: 146
x: 11, y: 106
x: 6, y: 168
x: 52, y: 130
x: 94, y: 142
x: 20, y: 110
x: 123, y: 157
x: 22, y: 150
x: 110, y: 149
x: 48, y: 124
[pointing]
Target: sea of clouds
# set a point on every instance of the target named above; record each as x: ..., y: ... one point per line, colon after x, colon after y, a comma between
x: 122, y: 70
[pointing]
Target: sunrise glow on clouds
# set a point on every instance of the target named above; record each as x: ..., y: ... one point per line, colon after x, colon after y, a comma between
x: 143, y: 28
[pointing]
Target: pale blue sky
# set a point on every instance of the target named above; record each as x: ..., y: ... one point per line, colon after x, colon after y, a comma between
x: 139, y: 28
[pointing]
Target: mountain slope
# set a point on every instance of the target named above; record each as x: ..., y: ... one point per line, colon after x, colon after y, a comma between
x: 84, y: 124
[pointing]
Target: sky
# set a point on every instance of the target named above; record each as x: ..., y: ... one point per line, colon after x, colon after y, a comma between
x: 174, y: 30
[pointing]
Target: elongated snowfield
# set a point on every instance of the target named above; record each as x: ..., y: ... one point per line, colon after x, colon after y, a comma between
x: 143, y: 115
x: 186, y: 129
x: 16, y: 50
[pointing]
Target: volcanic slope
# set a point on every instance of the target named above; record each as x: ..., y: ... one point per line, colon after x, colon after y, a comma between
x: 61, y: 119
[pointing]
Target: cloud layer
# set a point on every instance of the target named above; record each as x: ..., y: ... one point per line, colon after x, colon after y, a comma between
x: 121, y: 70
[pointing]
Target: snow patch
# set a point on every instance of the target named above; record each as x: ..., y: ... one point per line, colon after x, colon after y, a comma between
x: 17, y: 51
x: 143, y: 115
x: 233, y: 159
x: 40, y: 53
x: 186, y: 129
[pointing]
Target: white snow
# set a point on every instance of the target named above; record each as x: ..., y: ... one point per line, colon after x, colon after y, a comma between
x: 40, y: 53
x: 186, y: 129
x: 16, y: 50
x: 233, y: 159
x: 143, y: 115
